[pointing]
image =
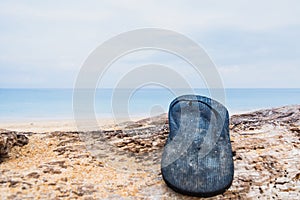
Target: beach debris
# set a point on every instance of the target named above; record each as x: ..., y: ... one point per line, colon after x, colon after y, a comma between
x: 186, y: 167
x: 266, y: 161
x: 9, y: 139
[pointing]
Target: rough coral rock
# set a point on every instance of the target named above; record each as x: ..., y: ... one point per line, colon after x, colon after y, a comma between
x: 123, y: 161
x: 9, y: 139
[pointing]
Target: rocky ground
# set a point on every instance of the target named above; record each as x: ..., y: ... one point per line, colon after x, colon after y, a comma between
x: 123, y: 161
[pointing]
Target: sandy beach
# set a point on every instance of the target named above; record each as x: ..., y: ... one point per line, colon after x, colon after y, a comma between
x: 86, y: 88
x: 52, y: 160
x: 43, y: 126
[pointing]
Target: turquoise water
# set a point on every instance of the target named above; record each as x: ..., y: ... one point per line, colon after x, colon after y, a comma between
x: 26, y: 104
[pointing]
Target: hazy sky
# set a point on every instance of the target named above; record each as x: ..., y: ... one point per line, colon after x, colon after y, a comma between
x: 254, y: 43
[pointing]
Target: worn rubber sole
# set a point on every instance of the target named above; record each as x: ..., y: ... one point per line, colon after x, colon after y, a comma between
x: 197, y: 158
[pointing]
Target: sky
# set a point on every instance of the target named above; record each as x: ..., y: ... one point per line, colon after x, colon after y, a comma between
x: 254, y: 44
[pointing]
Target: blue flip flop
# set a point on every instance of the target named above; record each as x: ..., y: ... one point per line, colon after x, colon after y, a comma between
x: 197, y: 158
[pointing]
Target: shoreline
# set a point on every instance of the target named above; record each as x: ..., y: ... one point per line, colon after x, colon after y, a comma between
x: 43, y: 125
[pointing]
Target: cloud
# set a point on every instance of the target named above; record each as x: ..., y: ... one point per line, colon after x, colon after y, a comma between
x: 261, y: 76
x: 191, y: 15
x: 52, y: 39
x: 53, y: 12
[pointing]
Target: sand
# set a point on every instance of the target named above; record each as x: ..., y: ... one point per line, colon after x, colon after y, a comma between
x: 43, y: 126
x: 58, y: 165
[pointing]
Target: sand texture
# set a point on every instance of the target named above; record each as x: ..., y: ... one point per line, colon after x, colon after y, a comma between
x: 123, y: 161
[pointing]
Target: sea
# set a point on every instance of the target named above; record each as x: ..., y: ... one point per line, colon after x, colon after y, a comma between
x: 57, y: 104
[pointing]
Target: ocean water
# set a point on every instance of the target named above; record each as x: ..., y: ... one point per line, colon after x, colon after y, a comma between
x: 53, y: 104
